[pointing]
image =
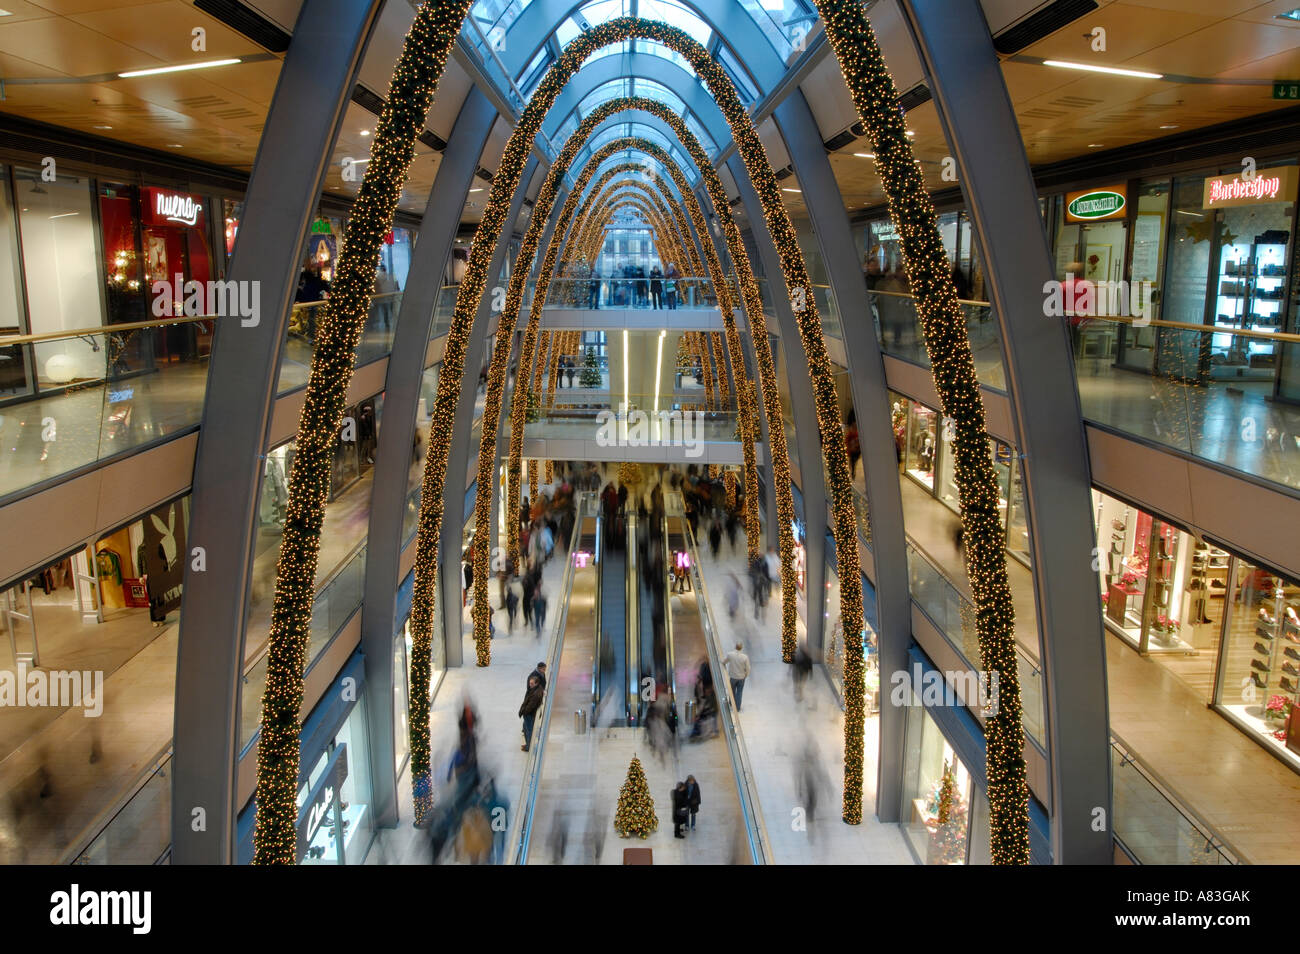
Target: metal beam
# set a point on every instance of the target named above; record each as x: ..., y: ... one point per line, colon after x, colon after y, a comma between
x: 956, y: 52
x: 379, y: 621
x: 866, y: 369
x: 311, y: 97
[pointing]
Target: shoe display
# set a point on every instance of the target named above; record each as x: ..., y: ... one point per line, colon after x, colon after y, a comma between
x: 1263, y: 632
x: 1290, y: 668
x: 1261, y: 649
x: 1254, y: 677
x: 1291, y: 654
x: 1218, y: 585
x: 1256, y: 664
x: 1287, y: 684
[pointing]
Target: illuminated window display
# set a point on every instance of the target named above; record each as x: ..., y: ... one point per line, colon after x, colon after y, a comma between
x: 937, y: 795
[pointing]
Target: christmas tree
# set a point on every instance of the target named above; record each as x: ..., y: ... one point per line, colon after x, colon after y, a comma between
x: 636, y: 808
x: 948, y: 840
x: 590, y: 377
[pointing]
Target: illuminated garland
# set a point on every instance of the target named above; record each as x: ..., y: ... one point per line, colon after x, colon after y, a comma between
x: 550, y: 471
x: 491, y: 226
x: 532, y: 478
x: 953, y: 368
x: 411, y: 92
x: 729, y: 481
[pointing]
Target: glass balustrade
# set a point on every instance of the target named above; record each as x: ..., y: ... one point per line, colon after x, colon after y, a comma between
x: 73, y: 399
x: 660, y: 294
x: 898, y: 329
x: 954, y: 616
x: 1210, y: 393
x: 139, y: 833
x: 679, y: 418
x: 336, y: 600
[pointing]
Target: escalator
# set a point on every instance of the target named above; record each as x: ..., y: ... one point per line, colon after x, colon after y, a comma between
x: 610, y: 675
x: 654, y: 623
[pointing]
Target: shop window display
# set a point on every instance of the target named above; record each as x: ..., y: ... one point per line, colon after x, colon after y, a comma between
x: 833, y: 657
x: 937, y: 793
x: 1260, y: 684
x: 922, y: 444
x: 339, y: 822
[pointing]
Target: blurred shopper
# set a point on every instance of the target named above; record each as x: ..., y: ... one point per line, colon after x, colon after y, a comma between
x: 539, y: 609
x: 800, y: 671
x: 657, y: 293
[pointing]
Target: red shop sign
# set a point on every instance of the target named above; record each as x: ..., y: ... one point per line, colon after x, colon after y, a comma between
x: 171, y: 208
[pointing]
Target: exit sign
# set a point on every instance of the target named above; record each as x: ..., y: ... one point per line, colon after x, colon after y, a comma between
x: 1286, y: 89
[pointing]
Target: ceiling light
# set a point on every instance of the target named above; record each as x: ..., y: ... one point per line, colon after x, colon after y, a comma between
x: 176, y: 69
x: 785, y: 189
x: 365, y: 132
x: 865, y: 155
x: 5, y: 13
x: 174, y: 145
x: 1095, y: 145
x: 64, y: 215
x: 1091, y: 68
x: 1169, y: 126
x: 909, y: 133
x: 1289, y: 15
x: 475, y: 190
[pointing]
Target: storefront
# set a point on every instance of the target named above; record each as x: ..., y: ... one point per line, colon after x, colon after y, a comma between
x: 923, y: 442
x: 946, y: 814
x: 1227, y: 628
x: 833, y: 631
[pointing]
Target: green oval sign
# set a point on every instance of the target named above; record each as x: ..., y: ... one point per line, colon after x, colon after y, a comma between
x: 1096, y: 205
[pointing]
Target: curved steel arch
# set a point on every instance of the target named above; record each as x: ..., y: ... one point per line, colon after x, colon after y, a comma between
x: 726, y: 18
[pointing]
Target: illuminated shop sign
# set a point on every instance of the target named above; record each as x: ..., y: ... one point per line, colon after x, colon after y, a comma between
x: 1094, y: 204
x: 165, y: 207
x: 1268, y: 185
x: 318, y: 809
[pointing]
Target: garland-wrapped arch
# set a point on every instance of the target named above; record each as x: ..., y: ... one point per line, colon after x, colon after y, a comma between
x: 411, y: 92
x: 953, y: 368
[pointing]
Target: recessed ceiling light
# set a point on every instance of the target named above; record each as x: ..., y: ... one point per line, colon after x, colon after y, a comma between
x: 909, y: 133
x: 103, y: 127
x: 1289, y: 15
x: 475, y: 190
x: 1093, y: 68
x: 1169, y: 126
x: 174, y: 145
x: 786, y: 189
x: 865, y: 155
x: 365, y: 132
x: 1095, y: 145
x: 177, y: 69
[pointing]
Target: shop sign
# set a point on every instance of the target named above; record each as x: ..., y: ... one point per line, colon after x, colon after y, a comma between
x: 165, y: 207
x: 388, y: 237
x: 1267, y: 186
x: 322, y: 227
x: 1093, y: 204
x: 318, y: 809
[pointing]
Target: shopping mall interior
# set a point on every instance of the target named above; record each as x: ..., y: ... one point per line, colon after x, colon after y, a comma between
x: 458, y: 419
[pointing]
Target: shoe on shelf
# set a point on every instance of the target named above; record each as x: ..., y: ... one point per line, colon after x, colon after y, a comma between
x: 1291, y: 654
x: 1261, y: 649
x: 1256, y: 664
x: 1290, y: 669
x: 1263, y: 632
x: 1287, y: 684
x: 1254, y: 677
x: 1218, y: 585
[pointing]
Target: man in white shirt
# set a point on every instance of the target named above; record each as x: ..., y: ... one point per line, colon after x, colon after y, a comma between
x: 737, y: 664
x: 773, y: 566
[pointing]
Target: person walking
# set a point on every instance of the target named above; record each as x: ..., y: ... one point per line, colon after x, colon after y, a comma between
x: 539, y: 609
x: 512, y: 606
x: 715, y: 538
x: 737, y: 664
x: 800, y: 672
x: 681, y: 811
x: 733, y: 597
x: 692, y: 798
x: 528, y: 710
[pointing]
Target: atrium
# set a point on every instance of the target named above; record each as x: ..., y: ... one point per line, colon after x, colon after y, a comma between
x: 539, y: 432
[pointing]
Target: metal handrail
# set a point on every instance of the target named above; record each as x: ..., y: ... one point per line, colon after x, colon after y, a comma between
x: 1139, y: 322
x: 746, y: 786
x: 113, y: 329
x: 86, y: 837
x: 1213, y: 838
x: 598, y: 562
x: 521, y: 831
x: 631, y: 624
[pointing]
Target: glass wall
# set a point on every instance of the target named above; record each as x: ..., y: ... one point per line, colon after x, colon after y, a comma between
x: 105, y: 619
x: 937, y: 793
x: 340, y: 825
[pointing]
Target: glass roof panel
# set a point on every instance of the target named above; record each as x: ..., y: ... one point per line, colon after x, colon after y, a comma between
x: 658, y: 49
x: 784, y: 22
x: 658, y: 91
x: 566, y: 31
x: 498, y: 15
x: 674, y: 14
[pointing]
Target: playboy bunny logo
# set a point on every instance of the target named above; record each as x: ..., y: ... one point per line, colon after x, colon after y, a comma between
x: 168, y: 542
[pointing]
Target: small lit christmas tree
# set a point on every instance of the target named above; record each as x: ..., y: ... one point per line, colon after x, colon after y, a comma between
x: 635, y: 814
x: 590, y: 377
x: 948, y: 840
x: 629, y: 473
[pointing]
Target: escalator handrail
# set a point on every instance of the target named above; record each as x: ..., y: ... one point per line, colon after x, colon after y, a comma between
x: 631, y: 621
x: 517, y: 845
x: 669, y: 652
x: 746, y: 785
x: 599, y: 559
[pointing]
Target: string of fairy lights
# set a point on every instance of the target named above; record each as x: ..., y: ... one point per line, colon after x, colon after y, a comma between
x: 411, y: 92
x: 953, y: 368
